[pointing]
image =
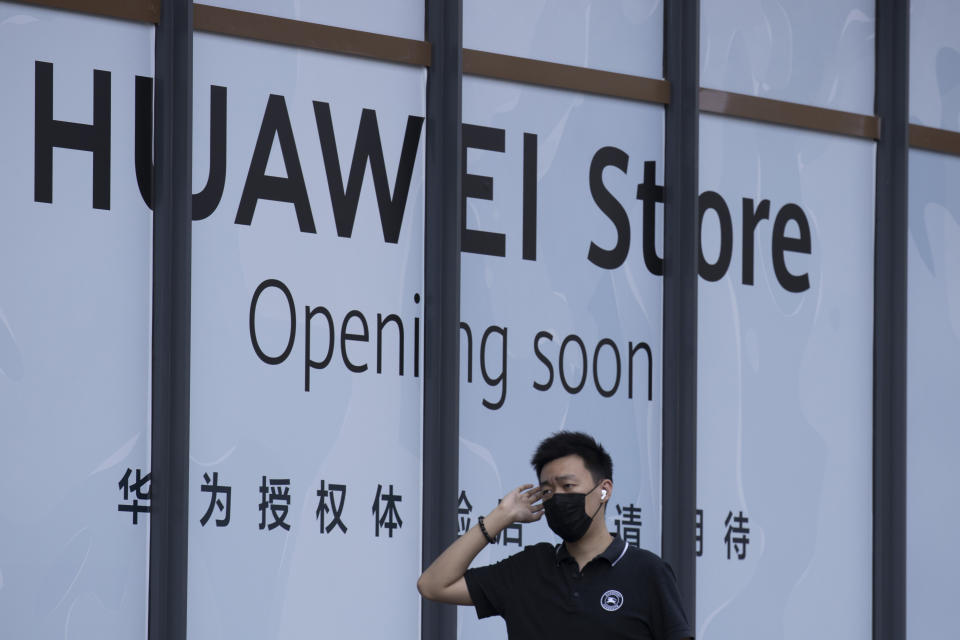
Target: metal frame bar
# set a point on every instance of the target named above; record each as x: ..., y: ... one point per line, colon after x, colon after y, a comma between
x: 136, y: 10
x: 564, y: 76
x: 310, y: 35
x: 170, y: 407
x: 789, y: 114
x: 890, y: 323
x: 931, y: 139
x: 441, y: 388
x: 680, y: 281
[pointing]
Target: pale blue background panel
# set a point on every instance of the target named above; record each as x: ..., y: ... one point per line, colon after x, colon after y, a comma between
x: 624, y: 36
x: 935, y: 63
x: 785, y: 385
x: 933, y: 384
x: 563, y: 293
x: 75, y: 316
x: 819, y: 53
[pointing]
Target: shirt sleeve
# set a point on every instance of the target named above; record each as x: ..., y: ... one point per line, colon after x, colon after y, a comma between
x: 491, y: 586
x: 673, y: 620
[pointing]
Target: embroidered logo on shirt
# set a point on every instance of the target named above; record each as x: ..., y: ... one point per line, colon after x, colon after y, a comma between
x: 611, y: 600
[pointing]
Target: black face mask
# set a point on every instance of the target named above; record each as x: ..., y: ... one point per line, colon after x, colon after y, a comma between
x: 567, y: 516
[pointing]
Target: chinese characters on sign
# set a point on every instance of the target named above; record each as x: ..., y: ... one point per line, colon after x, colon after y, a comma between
x: 512, y: 534
x: 215, y: 490
x: 699, y: 534
x: 336, y: 505
x: 139, y: 494
x: 736, y: 534
x: 463, y: 513
x: 274, y: 505
x: 390, y: 519
x: 275, y: 500
x: 516, y: 529
x: 278, y: 501
x: 628, y: 524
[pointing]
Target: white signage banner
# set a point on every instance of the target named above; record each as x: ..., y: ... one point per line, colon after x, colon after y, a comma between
x: 306, y: 344
x: 933, y: 379
x: 560, y: 300
x: 623, y: 37
x: 75, y: 298
x: 816, y: 52
x: 785, y: 383
x: 935, y: 64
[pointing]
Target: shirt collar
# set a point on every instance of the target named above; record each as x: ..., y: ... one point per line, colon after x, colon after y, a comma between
x: 612, y: 554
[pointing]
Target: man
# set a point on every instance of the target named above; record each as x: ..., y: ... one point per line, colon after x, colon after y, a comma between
x: 593, y: 585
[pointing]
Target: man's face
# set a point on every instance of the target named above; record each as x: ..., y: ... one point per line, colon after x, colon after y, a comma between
x: 570, y: 475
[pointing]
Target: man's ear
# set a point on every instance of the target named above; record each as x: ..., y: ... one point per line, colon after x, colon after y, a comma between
x: 606, y: 489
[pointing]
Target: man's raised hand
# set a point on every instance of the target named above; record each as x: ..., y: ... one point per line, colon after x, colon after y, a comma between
x: 523, y: 504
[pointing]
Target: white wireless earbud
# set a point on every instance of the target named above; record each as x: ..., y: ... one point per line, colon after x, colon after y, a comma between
x: 603, y: 494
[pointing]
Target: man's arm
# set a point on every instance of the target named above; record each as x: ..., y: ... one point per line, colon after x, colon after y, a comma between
x: 443, y: 580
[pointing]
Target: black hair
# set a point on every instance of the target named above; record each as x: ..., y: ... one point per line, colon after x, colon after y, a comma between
x: 565, y: 443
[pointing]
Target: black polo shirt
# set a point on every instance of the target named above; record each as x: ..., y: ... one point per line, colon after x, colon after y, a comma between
x: 624, y: 592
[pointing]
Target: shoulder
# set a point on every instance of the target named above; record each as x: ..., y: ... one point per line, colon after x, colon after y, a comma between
x: 647, y: 564
x: 643, y: 557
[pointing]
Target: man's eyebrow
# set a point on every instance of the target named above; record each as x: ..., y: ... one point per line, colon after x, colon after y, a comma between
x: 568, y: 476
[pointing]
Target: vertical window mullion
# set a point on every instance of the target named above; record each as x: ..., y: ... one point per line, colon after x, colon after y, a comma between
x: 441, y: 390
x: 170, y: 402
x: 681, y: 238
x: 890, y: 323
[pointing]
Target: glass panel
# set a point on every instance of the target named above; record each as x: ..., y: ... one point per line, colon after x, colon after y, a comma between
x: 935, y: 64
x: 402, y: 18
x: 626, y: 36
x: 785, y: 383
x: 307, y: 345
x: 933, y: 379
x: 818, y: 53
x: 568, y: 337
x: 75, y: 298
